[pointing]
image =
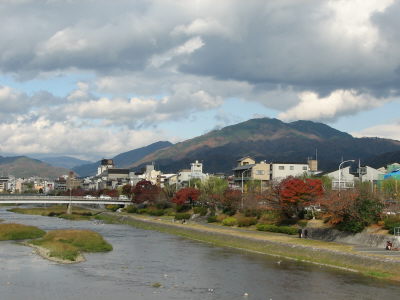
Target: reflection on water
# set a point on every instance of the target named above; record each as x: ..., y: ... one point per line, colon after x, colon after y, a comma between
x: 186, y: 269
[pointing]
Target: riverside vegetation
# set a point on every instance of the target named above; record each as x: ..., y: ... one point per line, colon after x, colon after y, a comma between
x: 58, y: 245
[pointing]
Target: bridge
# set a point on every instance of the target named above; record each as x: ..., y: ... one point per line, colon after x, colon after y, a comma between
x: 44, y: 199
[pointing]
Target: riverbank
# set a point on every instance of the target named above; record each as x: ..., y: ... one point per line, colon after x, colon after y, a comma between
x: 331, y: 254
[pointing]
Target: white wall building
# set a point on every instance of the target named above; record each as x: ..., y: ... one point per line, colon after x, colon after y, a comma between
x: 369, y: 174
x: 280, y: 171
x: 345, y: 180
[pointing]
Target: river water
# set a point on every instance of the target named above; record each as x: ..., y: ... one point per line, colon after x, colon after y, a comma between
x: 186, y: 270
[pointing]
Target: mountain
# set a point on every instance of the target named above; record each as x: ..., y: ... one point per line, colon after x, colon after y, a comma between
x: 122, y: 160
x: 271, y: 140
x: 382, y: 160
x: 22, y: 166
x: 64, y: 161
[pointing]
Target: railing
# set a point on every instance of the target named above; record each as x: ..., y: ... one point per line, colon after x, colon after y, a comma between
x: 10, y: 199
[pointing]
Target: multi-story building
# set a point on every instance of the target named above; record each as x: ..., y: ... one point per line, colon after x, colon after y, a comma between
x: 247, y: 169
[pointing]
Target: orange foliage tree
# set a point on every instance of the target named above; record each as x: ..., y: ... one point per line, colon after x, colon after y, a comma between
x: 295, y: 193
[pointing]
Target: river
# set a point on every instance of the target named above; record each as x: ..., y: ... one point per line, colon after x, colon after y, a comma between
x: 186, y: 270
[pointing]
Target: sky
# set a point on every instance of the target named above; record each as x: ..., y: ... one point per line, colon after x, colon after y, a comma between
x: 94, y: 78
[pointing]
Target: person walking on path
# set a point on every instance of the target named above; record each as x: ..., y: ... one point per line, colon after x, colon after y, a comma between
x: 305, y: 233
x: 300, y: 232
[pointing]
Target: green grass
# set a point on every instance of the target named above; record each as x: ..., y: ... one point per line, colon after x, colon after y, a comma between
x: 19, y: 232
x: 68, y: 244
x: 60, y: 211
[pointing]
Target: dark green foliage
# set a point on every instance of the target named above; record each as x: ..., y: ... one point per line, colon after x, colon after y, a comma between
x: 351, y: 225
x: 212, y: 219
x: 246, y: 221
x: 230, y: 211
x: 253, y: 212
x: 163, y: 205
x: 200, y: 210
x: 155, y: 212
x: 132, y: 209
x: 142, y: 211
x: 183, y: 208
x: 278, y: 229
x: 391, y: 223
x: 182, y: 216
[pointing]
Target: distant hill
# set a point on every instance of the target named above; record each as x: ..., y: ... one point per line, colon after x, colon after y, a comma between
x: 382, y: 160
x: 122, y: 160
x: 64, y: 161
x: 22, y: 166
x: 271, y: 140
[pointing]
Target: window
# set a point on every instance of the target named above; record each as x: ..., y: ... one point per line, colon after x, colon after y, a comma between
x: 305, y: 168
x: 260, y: 172
x: 281, y: 167
x: 292, y: 168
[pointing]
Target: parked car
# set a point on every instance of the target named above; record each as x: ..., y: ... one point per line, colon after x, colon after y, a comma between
x: 123, y: 197
x: 89, y: 197
x: 105, y: 197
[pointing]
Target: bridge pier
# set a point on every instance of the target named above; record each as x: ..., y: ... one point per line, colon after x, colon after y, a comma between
x: 69, y: 209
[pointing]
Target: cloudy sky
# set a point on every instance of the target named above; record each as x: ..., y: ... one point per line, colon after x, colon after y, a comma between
x: 93, y: 78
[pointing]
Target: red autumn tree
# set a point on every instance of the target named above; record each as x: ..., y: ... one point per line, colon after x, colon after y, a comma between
x: 186, y: 196
x: 127, y: 190
x: 145, y: 191
x: 231, y: 199
x: 295, y: 193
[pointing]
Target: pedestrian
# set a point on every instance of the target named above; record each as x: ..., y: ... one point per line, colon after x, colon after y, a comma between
x: 305, y: 233
x: 300, y: 232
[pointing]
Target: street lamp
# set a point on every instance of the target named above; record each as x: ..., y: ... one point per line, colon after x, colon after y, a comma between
x: 340, y: 165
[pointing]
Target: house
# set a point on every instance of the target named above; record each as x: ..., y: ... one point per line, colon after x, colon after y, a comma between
x: 105, y: 164
x: 342, y: 179
x: 247, y: 169
x: 282, y: 170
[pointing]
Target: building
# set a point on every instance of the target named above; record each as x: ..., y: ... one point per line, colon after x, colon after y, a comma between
x: 342, y: 179
x: 247, y: 169
x: 280, y: 171
x: 105, y: 164
x: 195, y: 172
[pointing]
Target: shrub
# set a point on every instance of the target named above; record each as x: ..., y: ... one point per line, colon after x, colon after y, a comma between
x: 202, y: 211
x: 271, y: 217
x: 221, y: 217
x: 182, y: 216
x: 278, y: 229
x: 351, y: 225
x: 246, y: 221
x: 131, y: 209
x: 253, y: 212
x: 229, y: 221
x: 211, y: 219
x: 182, y: 208
x: 230, y: 211
x: 391, y: 223
x: 142, y: 211
x: 112, y: 207
x: 155, y: 212
x: 53, y: 214
x: 302, y: 223
x: 163, y: 205
x: 169, y: 212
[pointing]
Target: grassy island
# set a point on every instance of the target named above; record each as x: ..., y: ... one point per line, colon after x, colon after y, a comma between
x: 14, y: 231
x: 68, y: 245
x: 60, y: 211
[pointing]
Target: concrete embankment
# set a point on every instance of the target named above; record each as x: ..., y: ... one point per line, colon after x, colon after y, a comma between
x: 319, y: 252
x: 362, y: 238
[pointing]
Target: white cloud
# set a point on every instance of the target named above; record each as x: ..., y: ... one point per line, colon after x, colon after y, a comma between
x: 338, y: 103
x: 44, y: 136
x: 389, y: 131
x: 185, y: 49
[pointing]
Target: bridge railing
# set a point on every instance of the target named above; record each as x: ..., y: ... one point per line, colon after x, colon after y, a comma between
x: 58, y: 198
